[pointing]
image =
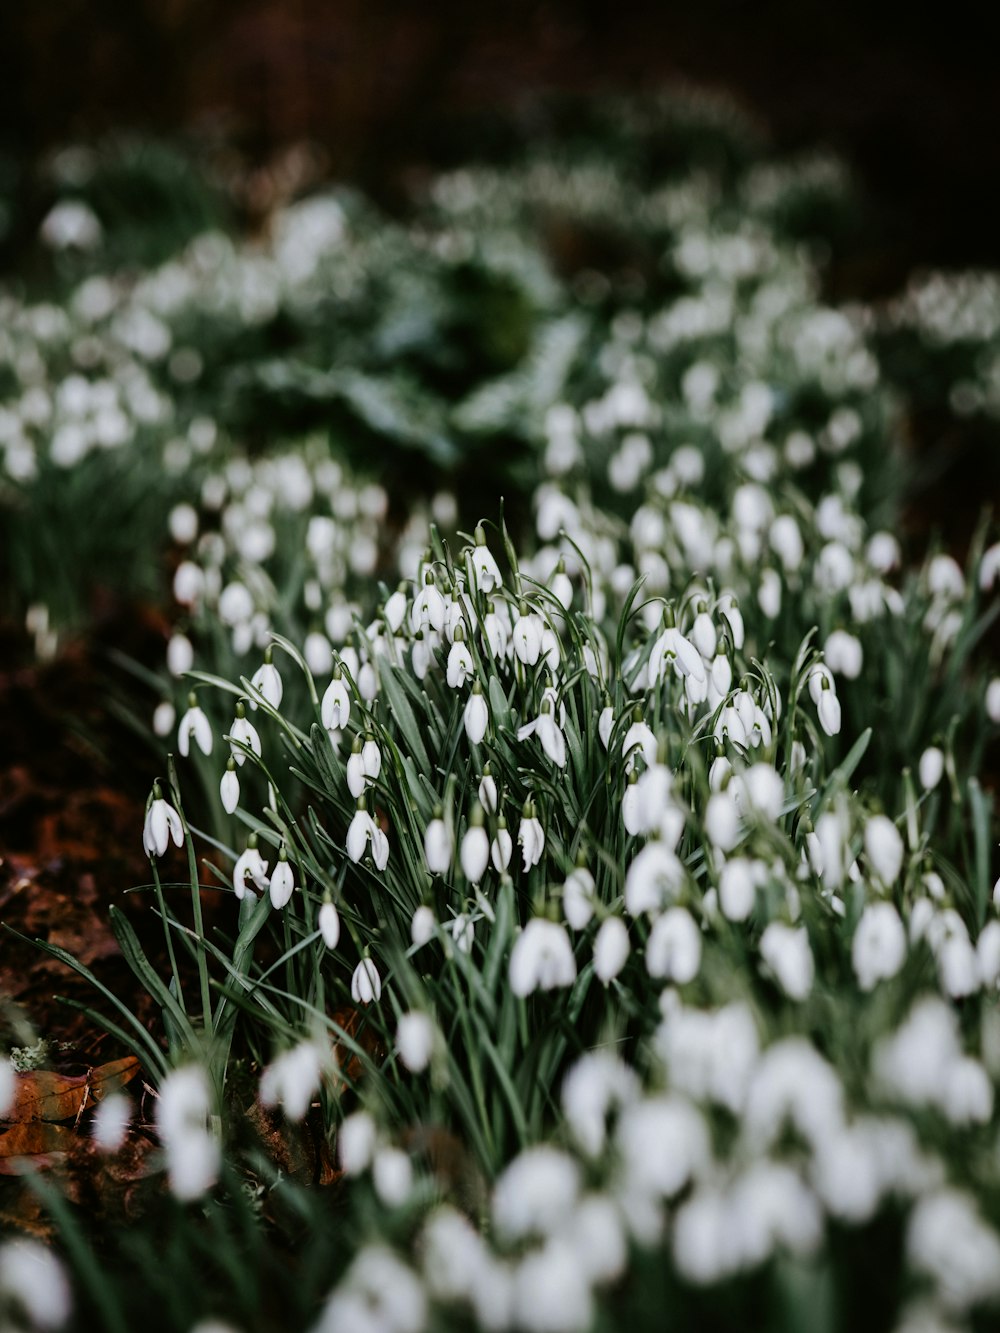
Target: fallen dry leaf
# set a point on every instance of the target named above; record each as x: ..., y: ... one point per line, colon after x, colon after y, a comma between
x: 34, y: 1144
x: 42, y: 1095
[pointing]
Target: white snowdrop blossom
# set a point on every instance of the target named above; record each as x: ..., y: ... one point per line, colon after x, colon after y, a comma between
x: 229, y: 788
x: 356, y: 1141
x: 549, y: 734
x: 542, y: 958
x: 536, y: 1193
x: 328, y: 922
x: 884, y: 848
x: 363, y: 833
x: 112, y: 1118
x: 243, y: 736
x: 476, y: 717
x: 250, y: 866
x: 673, y: 950
x: 931, y: 768
x: 366, y: 984
x: 437, y: 846
x: 292, y: 1079
x: 335, y: 708
x: 282, y: 884
x: 193, y: 1152
x: 162, y: 825
x: 611, y: 949
x: 948, y: 1241
x: 34, y: 1283
x: 785, y: 949
x: 415, y: 1039
x: 194, y: 725
x: 460, y: 664
x: 475, y: 850
x: 578, y: 897
x: 486, y: 571
x: 530, y: 838
x: 267, y: 681
x: 878, y: 950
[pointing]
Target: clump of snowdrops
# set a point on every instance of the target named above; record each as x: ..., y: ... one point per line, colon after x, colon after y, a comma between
x: 622, y: 924
x: 613, y: 904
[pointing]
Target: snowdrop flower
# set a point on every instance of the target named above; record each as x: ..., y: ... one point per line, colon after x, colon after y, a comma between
x: 639, y: 742
x: 282, y: 882
x: 785, y: 949
x: 34, y: 1283
x: 267, y: 681
x: 495, y: 633
x: 488, y: 796
x: 180, y: 654
x: 561, y: 586
x: 355, y: 770
x: 549, y: 733
x: 827, y: 706
x: 229, y: 787
x: 843, y: 654
x: 194, y: 724
x: 162, y: 824
x: 363, y: 831
x: 949, y: 1242
x: 989, y: 567
x: 371, y: 759
x: 552, y: 1290
x: 673, y: 950
x: 611, y: 949
x: 530, y: 837
x: 366, y: 984
x: 884, y: 848
x: 993, y: 700
x: 578, y: 897
x: 476, y: 716
x: 598, y: 1084
x: 542, y: 958
x: 243, y: 734
x: 722, y: 821
x: 527, y: 635
x: 112, y: 1118
x: 329, y: 924
x: 654, y: 879
x: 392, y: 1176
x: 427, y: 611
x: 356, y: 1141
x: 878, y: 950
x: 292, y: 1079
x: 502, y: 847
x: 761, y: 790
x: 437, y: 845
x: 738, y: 882
x: 664, y: 1144
x: 605, y: 722
x: 378, y: 1294
x: 182, y: 1118
x: 460, y: 663
x: 164, y: 716
x: 318, y: 653
x: 729, y: 608
x: 475, y: 852
x: 421, y: 654
x: 769, y: 593
x: 250, y: 865
x: 394, y: 610
x: 415, y: 1038
x: 336, y: 706
x: 422, y: 926
x: 672, y: 649
x: 536, y: 1194
x: 931, y: 769
x: 486, y: 571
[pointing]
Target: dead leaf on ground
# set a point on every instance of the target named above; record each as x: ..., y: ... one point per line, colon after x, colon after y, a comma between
x: 43, y: 1095
x: 34, y: 1144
